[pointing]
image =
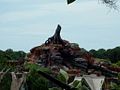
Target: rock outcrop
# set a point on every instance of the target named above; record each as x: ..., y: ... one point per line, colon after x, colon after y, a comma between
x: 57, y: 53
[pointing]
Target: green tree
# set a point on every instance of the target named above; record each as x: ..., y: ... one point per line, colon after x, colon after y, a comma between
x: 93, y: 52
x: 113, y: 54
x: 101, y: 53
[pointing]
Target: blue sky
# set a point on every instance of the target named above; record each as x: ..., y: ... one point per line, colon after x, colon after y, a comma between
x: 28, y: 23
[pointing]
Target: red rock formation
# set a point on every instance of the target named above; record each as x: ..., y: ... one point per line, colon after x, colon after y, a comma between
x: 63, y: 54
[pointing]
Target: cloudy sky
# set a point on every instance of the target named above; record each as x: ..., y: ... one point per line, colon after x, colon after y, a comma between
x: 28, y: 23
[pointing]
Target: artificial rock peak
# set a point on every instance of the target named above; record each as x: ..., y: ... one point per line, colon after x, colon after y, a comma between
x: 59, y: 53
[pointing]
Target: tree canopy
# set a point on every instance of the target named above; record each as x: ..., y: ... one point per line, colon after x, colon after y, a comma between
x: 112, y: 54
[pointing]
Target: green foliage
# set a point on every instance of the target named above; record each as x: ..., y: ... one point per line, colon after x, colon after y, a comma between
x: 34, y: 80
x: 118, y: 63
x: 111, y: 54
x: 6, y: 82
x: 63, y: 76
x: 35, y: 68
x: 9, y: 54
x: 37, y: 82
x: 55, y: 88
x: 80, y: 85
x: 114, y: 86
x: 119, y: 75
x: 84, y: 88
x: 76, y: 84
x: 99, y: 53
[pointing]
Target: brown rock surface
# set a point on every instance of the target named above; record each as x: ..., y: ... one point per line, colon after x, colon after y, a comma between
x: 58, y: 53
